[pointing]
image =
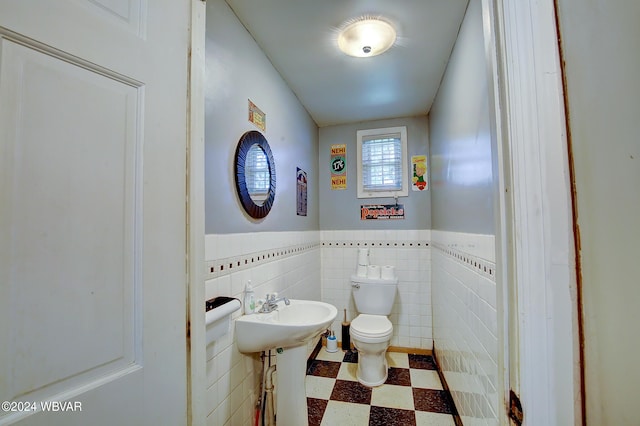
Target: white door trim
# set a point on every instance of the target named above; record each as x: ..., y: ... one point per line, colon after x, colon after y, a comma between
x: 540, y: 270
x: 197, y: 408
x: 502, y: 231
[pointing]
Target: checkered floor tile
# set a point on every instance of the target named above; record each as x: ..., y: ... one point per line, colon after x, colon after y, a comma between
x: 411, y: 396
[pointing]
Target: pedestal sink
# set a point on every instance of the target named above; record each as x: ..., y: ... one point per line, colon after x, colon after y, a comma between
x: 288, y: 329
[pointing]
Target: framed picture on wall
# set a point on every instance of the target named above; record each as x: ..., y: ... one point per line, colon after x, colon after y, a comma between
x: 301, y: 185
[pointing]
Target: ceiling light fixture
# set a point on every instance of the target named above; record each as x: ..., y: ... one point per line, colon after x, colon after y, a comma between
x: 366, y: 37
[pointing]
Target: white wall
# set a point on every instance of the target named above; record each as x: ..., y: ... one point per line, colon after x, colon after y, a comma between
x: 283, y: 262
x: 401, y: 243
x: 340, y: 209
x: 465, y: 319
x: 465, y: 322
x: 278, y: 253
x: 409, y: 252
x: 462, y: 196
x: 602, y: 65
x: 236, y: 71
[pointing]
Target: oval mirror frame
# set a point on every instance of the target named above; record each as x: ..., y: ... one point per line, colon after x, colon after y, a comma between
x: 247, y: 140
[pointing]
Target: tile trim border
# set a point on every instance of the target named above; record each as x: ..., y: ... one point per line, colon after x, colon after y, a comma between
x: 477, y: 264
x: 411, y: 244
x: 225, y: 266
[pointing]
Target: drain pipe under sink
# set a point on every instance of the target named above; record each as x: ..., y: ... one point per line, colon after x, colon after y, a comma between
x: 269, y: 414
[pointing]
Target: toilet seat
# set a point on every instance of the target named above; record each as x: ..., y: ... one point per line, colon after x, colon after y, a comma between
x: 371, y: 328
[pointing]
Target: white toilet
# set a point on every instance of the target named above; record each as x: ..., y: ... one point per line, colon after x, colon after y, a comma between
x: 371, y: 330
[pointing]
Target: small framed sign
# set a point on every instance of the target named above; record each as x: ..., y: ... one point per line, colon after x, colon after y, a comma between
x: 257, y: 117
x: 419, y: 171
x: 301, y: 184
x: 381, y: 211
x: 338, y: 166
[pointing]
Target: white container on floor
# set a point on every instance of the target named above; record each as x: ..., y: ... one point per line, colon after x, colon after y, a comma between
x: 332, y: 343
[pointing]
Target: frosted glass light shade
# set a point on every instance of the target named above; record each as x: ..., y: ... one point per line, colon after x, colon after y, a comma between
x: 366, y: 37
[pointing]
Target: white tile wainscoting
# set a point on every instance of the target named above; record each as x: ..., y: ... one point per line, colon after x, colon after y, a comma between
x: 465, y: 322
x: 283, y: 262
x: 446, y: 295
x: 409, y: 251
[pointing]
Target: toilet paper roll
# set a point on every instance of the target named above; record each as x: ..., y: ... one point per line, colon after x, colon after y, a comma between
x: 388, y: 272
x: 363, y: 256
x: 361, y: 271
x: 373, y: 271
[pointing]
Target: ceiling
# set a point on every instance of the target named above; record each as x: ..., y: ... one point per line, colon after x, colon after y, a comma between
x: 299, y: 37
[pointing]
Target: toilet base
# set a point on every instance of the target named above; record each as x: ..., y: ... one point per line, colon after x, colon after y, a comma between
x: 368, y: 379
x: 373, y: 368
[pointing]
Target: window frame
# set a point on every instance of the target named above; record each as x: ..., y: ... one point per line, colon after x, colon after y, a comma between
x: 368, y: 134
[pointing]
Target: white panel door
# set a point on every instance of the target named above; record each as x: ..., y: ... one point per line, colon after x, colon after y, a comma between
x: 92, y: 212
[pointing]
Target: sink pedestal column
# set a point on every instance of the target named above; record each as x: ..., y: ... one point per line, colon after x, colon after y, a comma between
x: 291, y: 404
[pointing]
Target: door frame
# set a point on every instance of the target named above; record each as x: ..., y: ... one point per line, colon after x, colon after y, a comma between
x: 195, y: 321
x: 535, y: 249
x: 534, y: 233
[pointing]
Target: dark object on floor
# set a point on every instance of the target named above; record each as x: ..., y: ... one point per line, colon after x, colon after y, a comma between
x: 346, y: 338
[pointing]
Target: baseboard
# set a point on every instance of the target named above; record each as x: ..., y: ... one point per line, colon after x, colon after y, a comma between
x: 404, y: 350
x: 316, y: 350
x: 401, y: 349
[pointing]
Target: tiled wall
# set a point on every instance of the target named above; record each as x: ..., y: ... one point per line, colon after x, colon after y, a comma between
x: 318, y: 265
x: 465, y: 322
x: 409, y: 251
x: 283, y: 262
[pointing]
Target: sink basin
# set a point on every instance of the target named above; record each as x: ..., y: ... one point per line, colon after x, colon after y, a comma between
x: 289, y: 325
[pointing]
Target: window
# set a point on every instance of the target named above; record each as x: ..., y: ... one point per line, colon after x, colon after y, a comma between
x: 257, y: 173
x: 382, y: 164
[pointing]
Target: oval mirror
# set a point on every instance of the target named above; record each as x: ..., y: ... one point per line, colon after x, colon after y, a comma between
x: 255, y: 174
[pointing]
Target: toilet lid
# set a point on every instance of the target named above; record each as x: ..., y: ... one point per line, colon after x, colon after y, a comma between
x: 372, y: 325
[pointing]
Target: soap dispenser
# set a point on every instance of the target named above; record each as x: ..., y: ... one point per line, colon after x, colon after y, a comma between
x: 249, y: 299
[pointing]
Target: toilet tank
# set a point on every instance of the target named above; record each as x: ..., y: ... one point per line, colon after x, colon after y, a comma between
x: 373, y: 296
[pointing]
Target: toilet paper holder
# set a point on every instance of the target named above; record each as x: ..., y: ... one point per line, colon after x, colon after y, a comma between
x: 218, y: 313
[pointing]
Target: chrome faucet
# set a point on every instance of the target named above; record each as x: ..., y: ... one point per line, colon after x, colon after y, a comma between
x: 271, y: 304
